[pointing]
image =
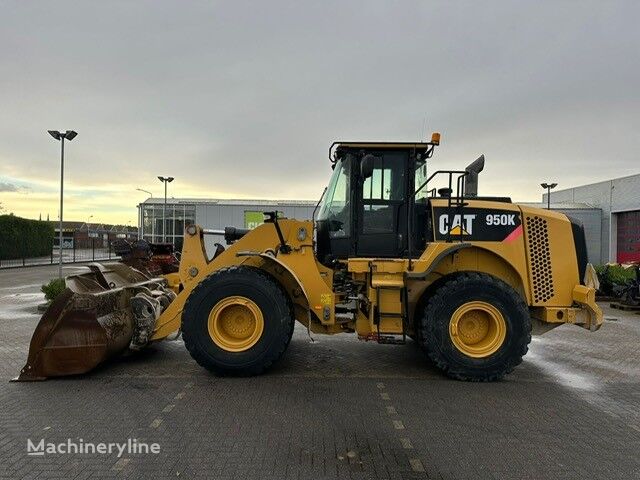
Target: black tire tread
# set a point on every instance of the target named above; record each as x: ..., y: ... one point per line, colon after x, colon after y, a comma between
x: 439, y: 298
x: 275, y: 354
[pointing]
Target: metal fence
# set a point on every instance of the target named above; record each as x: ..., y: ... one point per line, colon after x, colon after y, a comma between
x: 93, y: 251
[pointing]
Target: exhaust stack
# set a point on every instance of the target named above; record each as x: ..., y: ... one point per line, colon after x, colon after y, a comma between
x: 471, y: 182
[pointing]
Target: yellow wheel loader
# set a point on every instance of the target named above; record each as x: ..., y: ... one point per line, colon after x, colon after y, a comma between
x: 388, y: 256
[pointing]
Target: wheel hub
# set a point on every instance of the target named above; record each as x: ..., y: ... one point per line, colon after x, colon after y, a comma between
x: 235, y: 323
x: 477, y: 329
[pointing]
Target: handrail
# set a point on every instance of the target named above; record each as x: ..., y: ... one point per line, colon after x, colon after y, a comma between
x: 456, y: 202
x: 450, y: 172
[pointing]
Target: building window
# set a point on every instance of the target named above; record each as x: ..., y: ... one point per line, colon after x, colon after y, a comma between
x: 178, y: 216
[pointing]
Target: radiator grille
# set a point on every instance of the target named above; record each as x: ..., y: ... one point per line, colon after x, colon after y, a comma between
x: 541, y: 273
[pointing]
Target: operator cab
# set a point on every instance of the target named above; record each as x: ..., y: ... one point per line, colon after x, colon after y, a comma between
x: 369, y: 208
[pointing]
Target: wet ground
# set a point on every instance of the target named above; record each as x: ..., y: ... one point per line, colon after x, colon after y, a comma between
x: 336, y: 408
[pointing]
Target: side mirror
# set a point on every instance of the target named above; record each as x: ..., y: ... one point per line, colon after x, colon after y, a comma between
x: 366, y: 165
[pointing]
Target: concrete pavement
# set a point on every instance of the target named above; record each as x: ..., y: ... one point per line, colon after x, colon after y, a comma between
x: 336, y: 408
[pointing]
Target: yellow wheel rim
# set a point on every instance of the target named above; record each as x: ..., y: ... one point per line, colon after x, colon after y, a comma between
x: 477, y: 329
x: 235, y: 324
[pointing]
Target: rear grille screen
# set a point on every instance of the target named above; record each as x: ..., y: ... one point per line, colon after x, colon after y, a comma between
x: 541, y: 273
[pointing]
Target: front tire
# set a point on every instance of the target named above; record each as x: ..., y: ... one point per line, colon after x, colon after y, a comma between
x: 475, y: 327
x: 237, y: 321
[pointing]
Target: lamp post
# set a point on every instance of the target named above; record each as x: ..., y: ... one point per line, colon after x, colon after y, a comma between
x: 141, y: 214
x: 164, y: 180
x: 89, y: 238
x: 68, y: 135
x: 549, y: 187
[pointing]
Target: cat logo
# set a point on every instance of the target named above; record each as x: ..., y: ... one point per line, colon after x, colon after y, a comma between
x: 476, y: 224
x: 459, y: 225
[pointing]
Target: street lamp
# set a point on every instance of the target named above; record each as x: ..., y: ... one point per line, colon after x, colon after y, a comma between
x: 68, y: 135
x: 141, y: 213
x: 164, y: 180
x: 549, y: 187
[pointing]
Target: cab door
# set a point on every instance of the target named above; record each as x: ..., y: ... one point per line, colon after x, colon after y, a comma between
x: 382, y: 207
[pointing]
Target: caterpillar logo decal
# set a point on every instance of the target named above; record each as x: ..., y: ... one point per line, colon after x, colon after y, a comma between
x: 456, y: 224
x: 478, y: 224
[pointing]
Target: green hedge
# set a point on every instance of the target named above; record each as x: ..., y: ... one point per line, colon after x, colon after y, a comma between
x: 52, y: 289
x: 615, y: 274
x: 613, y: 278
x: 20, y: 237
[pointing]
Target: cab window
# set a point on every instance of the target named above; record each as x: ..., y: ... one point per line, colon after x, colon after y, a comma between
x: 421, y: 177
x: 336, y: 207
x: 381, y: 193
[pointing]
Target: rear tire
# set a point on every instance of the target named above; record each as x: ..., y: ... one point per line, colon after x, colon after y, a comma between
x: 210, y: 328
x: 494, y: 338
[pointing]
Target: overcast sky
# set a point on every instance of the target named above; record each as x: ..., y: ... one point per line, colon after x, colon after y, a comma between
x: 243, y: 99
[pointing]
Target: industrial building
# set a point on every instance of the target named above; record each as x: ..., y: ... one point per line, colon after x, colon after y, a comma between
x: 90, y: 235
x: 618, y: 202
x: 211, y: 214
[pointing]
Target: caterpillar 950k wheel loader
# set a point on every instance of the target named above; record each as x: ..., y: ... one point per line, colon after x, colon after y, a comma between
x: 388, y: 256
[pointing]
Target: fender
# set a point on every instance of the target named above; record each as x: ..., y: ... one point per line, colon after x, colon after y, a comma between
x: 253, y: 250
x: 441, y: 251
x: 433, y: 257
x: 273, y: 260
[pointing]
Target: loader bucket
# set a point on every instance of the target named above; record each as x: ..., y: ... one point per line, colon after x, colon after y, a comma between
x: 99, y: 315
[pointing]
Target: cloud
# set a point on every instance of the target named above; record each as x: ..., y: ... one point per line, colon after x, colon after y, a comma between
x: 8, y: 187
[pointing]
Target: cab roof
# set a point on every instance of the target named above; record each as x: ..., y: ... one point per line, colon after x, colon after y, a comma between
x: 338, y: 149
x: 384, y: 145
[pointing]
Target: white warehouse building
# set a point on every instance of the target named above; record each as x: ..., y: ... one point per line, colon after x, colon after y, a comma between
x: 618, y: 203
x: 210, y: 214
